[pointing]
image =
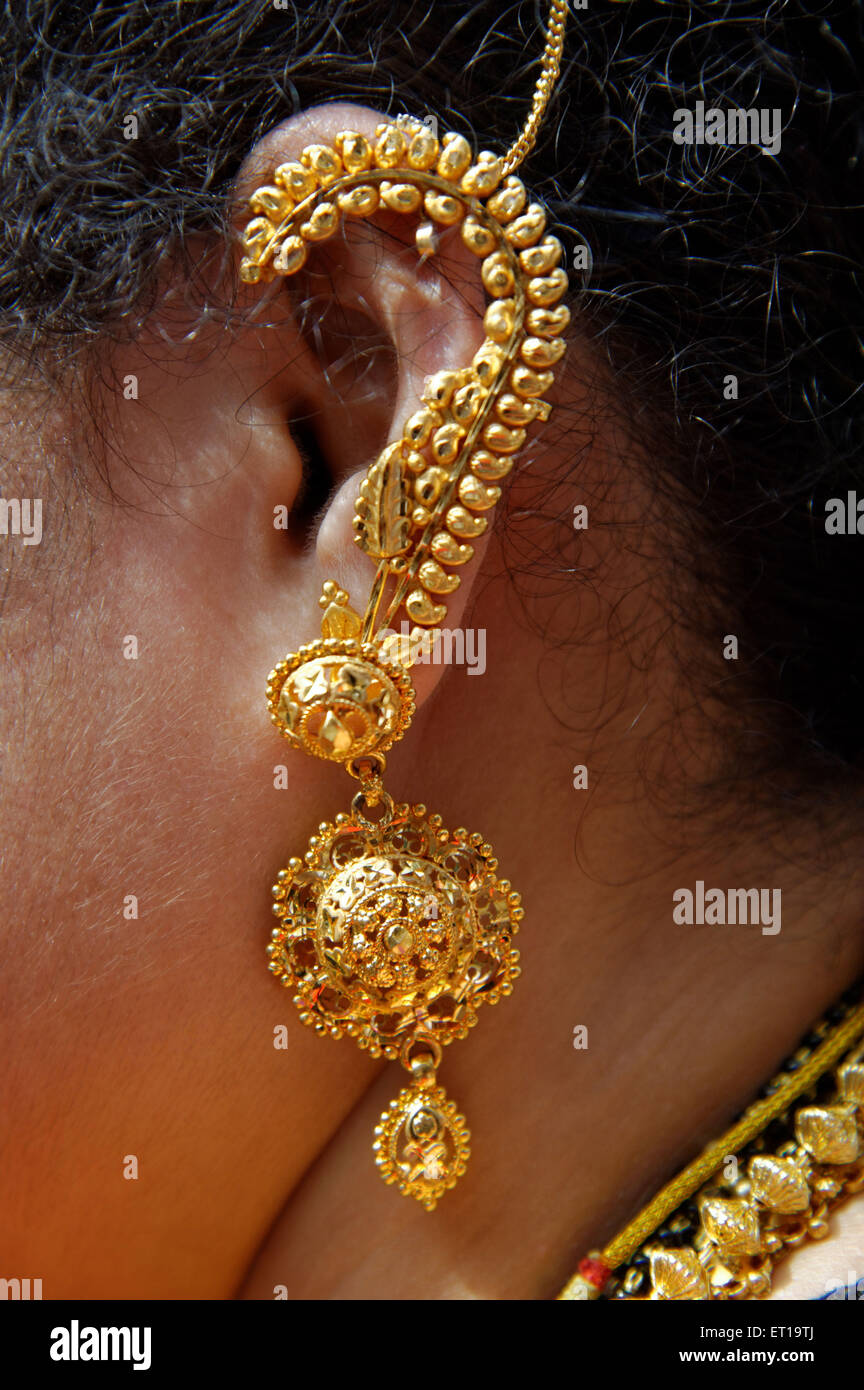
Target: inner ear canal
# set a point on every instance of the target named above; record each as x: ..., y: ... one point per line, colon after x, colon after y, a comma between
x: 317, y: 481
x: 358, y: 383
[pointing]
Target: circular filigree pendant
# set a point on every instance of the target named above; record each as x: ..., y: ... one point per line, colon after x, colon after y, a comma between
x: 393, y: 929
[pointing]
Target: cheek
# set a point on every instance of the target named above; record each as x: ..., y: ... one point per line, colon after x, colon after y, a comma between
x: 145, y: 836
x: 168, y: 783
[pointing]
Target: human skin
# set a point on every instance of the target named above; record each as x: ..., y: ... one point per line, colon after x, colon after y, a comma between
x: 155, y: 777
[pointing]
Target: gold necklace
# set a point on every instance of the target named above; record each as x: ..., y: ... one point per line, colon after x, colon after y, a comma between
x: 769, y: 1183
x: 391, y: 928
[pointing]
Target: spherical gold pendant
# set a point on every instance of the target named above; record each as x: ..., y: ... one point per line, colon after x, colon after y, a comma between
x: 340, y: 699
x: 394, y: 930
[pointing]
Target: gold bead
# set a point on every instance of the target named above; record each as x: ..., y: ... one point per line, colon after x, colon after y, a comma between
x: 759, y: 1282
x: 438, y: 389
x: 473, y: 493
x: 828, y: 1132
x: 446, y: 549
x: 538, y: 259
x: 467, y: 401
x: 483, y: 177
x: 514, y: 410
x: 358, y: 202
x: 423, y: 149
x: 526, y: 382
x: 490, y: 467
x: 442, y: 208
x: 296, y: 180
x: 677, y: 1274
x: 462, y: 524
x: 391, y: 147
x: 528, y: 228
x: 446, y: 441
x: 322, y: 223
x: 290, y: 256
x: 542, y: 352
x: 355, y: 150
x: 488, y: 361
x: 500, y: 320
x: 426, y: 239
x: 509, y: 201
x: 779, y: 1183
x: 323, y: 161
x: 420, y: 425
x: 502, y: 440
x: 429, y: 485
x: 421, y: 609
x: 544, y: 290
x: 732, y: 1225
x: 271, y: 202
x: 476, y: 237
x: 436, y: 580
x: 455, y: 156
x: 414, y: 462
x: 497, y: 275
x: 400, y: 197
x: 258, y: 232
x: 548, y: 323
x: 251, y: 272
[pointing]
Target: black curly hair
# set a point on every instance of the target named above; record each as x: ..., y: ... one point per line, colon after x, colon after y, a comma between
x: 708, y: 261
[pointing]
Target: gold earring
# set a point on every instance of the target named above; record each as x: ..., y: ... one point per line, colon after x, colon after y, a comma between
x: 393, y: 929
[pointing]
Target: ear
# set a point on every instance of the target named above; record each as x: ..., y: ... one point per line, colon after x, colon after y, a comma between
x: 376, y: 321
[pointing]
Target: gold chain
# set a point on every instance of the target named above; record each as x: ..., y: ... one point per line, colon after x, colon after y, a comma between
x: 550, y: 65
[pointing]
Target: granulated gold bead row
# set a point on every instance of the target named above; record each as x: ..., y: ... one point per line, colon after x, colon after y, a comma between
x: 424, y: 497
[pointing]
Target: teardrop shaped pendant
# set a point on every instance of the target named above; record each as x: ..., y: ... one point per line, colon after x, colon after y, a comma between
x: 421, y: 1140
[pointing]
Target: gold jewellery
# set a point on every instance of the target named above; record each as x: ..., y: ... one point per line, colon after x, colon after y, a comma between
x: 393, y: 929
x: 767, y: 1185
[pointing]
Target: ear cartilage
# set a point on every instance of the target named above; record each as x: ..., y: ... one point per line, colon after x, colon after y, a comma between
x: 392, y: 929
